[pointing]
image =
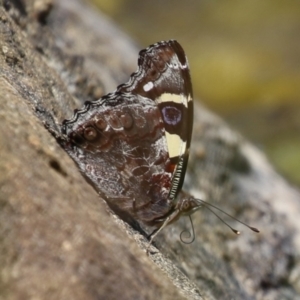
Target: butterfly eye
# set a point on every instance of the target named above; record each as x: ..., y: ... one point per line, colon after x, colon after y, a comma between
x: 186, y: 206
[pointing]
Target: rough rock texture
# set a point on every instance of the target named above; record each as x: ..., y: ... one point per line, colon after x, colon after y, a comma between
x: 58, y: 240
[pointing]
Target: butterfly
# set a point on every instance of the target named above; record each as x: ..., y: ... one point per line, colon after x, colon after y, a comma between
x: 133, y: 144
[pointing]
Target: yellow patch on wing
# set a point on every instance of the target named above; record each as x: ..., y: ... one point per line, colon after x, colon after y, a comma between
x: 168, y: 97
x: 176, y: 146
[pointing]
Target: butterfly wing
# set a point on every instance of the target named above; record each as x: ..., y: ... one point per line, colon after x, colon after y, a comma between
x: 133, y: 144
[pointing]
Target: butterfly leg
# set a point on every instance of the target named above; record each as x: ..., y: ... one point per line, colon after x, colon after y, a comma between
x: 167, y: 221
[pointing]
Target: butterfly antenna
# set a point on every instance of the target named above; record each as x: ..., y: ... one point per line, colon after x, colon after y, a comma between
x: 192, y: 236
x: 206, y: 205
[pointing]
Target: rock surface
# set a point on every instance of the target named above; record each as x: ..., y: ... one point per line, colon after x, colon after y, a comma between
x: 58, y: 240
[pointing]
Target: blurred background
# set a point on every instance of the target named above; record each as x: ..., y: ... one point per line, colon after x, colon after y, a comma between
x: 244, y: 58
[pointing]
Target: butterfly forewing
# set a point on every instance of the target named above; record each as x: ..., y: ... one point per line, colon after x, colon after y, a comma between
x: 164, y: 77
